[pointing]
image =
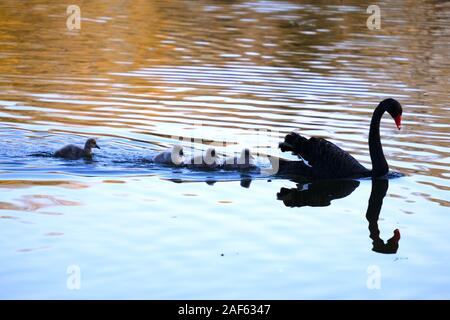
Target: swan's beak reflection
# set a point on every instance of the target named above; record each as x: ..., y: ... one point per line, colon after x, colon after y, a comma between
x: 398, y: 121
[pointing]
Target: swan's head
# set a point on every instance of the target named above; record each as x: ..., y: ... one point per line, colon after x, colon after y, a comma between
x: 394, y: 108
x: 90, y: 143
x: 177, y: 154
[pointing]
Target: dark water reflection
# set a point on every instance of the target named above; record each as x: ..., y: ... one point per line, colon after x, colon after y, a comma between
x: 321, y: 193
x: 317, y: 194
x: 379, y: 190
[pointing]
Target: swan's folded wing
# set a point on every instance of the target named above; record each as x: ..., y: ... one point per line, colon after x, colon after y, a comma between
x: 326, y: 159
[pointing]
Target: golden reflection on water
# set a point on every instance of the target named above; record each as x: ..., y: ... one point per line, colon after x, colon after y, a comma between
x: 36, y: 202
x: 147, y: 70
x: 32, y: 183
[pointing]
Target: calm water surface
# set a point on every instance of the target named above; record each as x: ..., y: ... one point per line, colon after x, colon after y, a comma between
x: 142, y: 75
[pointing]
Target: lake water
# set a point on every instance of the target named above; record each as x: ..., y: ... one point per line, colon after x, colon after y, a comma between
x: 141, y: 76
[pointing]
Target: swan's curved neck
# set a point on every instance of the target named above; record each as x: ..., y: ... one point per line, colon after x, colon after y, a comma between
x: 379, y: 164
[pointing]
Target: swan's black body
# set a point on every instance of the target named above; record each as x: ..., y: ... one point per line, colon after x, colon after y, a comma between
x: 325, y: 160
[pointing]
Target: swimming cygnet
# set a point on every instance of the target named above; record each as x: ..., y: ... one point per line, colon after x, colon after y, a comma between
x: 73, y: 152
x: 244, y: 161
x: 173, y: 156
x: 208, y: 160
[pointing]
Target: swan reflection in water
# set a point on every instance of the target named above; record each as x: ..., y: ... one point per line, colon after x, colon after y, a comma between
x: 321, y: 193
x: 316, y: 194
x: 245, y: 180
x: 379, y: 189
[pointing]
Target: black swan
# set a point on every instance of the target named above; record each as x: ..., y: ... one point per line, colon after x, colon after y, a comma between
x: 72, y: 152
x: 325, y: 160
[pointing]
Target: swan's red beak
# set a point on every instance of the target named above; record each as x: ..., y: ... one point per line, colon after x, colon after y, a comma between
x: 398, y: 121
